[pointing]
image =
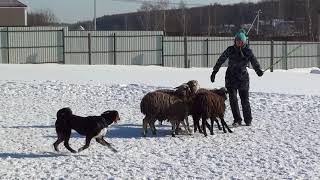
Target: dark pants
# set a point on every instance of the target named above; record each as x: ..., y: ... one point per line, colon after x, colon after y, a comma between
x: 244, y: 96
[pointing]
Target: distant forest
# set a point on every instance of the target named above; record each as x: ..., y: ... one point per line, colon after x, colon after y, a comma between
x: 278, y: 18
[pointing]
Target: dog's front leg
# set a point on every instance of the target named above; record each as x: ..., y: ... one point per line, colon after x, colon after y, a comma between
x: 105, y: 143
x: 88, y: 140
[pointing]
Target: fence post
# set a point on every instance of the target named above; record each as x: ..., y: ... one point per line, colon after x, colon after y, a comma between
x: 158, y: 39
x: 162, y: 50
x: 318, y: 54
x: 284, y: 55
x: 89, y: 47
x: 8, y: 46
x: 272, y: 56
x: 185, y: 43
x: 63, y: 47
x: 114, y: 49
x: 207, y: 52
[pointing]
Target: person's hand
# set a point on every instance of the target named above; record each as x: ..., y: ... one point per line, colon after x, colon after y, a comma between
x: 213, y: 76
x: 259, y: 72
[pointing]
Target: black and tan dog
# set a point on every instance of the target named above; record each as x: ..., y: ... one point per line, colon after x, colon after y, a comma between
x: 91, y: 127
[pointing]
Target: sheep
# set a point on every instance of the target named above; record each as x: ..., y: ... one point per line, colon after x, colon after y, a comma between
x: 210, y: 104
x: 162, y: 105
x: 194, y: 87
x: 196, y: 124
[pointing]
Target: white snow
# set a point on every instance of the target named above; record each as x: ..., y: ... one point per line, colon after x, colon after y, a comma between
x: 282, y: 143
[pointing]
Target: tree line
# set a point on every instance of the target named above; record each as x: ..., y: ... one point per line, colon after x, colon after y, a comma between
x: 297, y: 19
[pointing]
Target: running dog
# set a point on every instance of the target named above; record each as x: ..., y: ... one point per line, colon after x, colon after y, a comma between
x: 90, y: 126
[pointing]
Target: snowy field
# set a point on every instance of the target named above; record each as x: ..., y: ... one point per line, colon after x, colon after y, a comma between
x: 283, y: 143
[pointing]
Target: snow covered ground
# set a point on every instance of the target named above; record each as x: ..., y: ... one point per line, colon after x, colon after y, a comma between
x: 283, y: 143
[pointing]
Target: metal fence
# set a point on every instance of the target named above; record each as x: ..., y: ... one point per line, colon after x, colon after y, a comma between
x: 20, y: 45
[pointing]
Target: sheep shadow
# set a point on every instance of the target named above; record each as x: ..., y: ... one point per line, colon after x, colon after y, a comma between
x: 135, y: 131
x: 32, y: 155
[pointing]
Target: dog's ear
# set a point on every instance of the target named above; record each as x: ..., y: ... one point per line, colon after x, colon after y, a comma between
x: 112, y: 115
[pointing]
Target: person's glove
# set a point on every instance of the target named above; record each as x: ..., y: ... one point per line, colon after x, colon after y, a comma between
x: 213, y: 76
x: 259, y: 72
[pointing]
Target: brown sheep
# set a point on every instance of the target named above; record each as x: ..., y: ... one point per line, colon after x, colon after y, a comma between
x: 160, y: 105
x: 196, y: 124
x: 194, y: 87
x: 210, y: 105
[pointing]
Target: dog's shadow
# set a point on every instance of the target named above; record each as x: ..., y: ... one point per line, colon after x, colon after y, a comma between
x: 128, y: 131
x: 32, y: 155
x: 33, y: 126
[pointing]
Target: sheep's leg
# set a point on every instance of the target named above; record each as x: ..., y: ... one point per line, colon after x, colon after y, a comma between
x: 204, y: 121
x: 177, y: 127
x: 153, y: 127
x: 173, y: 131
x: 219, y: 127
x: 186, y: 127
x: 196, y: 124
x: 211, y: 127
x: 224, y: 124
x: 145, y: 126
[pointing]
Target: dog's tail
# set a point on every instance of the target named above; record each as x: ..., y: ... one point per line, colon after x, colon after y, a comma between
x: 62, y: 118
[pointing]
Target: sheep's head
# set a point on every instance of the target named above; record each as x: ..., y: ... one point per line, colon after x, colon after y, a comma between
x: 193, y: 85
x: 221, y: 92
x: 183, y: 91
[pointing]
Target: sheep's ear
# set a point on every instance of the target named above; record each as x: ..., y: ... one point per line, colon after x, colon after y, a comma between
x: 223, y: 89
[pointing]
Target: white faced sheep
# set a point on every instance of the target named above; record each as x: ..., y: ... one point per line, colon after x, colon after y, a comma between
x: 209, y: 105
x: 160, y: 105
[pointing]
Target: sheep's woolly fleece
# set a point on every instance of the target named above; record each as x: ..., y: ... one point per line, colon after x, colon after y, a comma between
x: 282, y: 143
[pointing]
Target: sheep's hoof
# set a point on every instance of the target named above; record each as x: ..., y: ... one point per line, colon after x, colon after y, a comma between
x: 144, y: 134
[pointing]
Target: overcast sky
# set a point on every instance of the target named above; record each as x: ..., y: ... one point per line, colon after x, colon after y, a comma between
x: 78, y: 10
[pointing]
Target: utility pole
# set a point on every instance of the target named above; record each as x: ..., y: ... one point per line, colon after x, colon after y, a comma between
x: 164, y: 22
x: 126, y: 22
x: 209, y: 20
x: 258, y: 19
x: 310, y: 20
x: 95, y: 14
x: 184, y: 25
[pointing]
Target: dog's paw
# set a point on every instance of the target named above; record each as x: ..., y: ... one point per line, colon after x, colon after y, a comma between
x: 79, y: 150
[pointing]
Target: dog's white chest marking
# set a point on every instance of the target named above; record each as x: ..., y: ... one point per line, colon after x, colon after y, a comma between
x: 102, y: 133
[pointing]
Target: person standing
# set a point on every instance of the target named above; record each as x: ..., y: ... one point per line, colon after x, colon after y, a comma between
x: 237, y: 76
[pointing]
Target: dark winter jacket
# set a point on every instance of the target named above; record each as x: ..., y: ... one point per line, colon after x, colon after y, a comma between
x: 237, y: 75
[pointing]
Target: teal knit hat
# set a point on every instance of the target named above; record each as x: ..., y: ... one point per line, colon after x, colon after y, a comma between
x: 241, y: 35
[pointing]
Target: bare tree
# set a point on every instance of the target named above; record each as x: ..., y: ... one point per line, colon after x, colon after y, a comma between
x: 183, y: 17
x: 42, y: 18
x: 153, y: 14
